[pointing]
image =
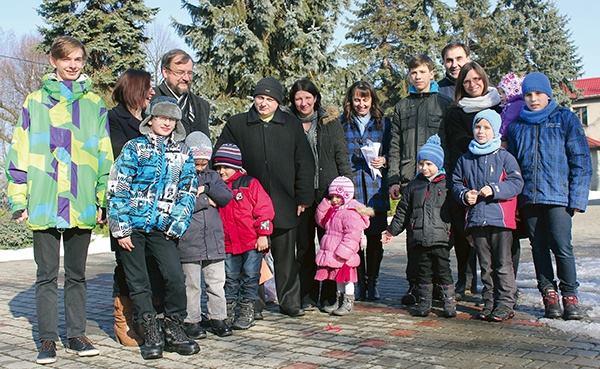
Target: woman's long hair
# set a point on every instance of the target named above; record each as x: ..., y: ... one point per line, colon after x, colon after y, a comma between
x: 460, y: 91
x: 131, y: 89
x: 364, y: 89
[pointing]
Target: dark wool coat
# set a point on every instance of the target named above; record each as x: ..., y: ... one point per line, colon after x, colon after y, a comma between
x: 416, y: 118
x: 123, y: 127
x: 423, y: 213
x: 276, y: 153
x: 201, y: 111
x: 204, y: 238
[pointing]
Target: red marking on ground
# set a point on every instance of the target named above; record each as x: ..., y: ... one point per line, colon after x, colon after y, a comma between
x: 403, y: 332
x: 525, y: 322
x: 429, y: 323
x: 463, y: 316
x: 373, y: 343
x: 338, y: 354
x: 329, y: 328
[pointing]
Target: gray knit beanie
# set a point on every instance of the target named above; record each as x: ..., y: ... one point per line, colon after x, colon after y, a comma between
x: 271, y: 87
x: 200, y: 145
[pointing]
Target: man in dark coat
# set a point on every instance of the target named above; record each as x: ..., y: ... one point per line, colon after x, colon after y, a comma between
x: 177, y: 70
x: 454, y: 56
x: 275, y: 151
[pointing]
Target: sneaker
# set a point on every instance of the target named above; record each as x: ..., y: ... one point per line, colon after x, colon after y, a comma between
x: 485, y: 313
x: 82, y: 346
x: 501, y: 313
x: 551, y: 304
x: 47, y: 354
x: 572, y: 311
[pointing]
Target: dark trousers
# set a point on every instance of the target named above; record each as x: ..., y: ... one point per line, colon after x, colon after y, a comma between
x: 493, y: 246
x: 287, y: 281
x: 156, y: 245
x: 242, y: 274
x: 433, y: 260
x: 550, y: 232
x: 466, y: 261
x: 305, y: 255
x: 46, y: 253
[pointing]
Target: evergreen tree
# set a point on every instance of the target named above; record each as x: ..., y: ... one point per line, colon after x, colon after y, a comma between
x: 387, y: 33
x: 112, y: 31
x: 238, y: 42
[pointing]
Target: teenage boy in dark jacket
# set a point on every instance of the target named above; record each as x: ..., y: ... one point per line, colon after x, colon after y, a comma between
x: 416, y: 117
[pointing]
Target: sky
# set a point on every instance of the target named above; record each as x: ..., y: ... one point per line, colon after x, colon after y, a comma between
x: 20, y: 17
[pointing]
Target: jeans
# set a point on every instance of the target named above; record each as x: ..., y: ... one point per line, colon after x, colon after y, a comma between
x: 156, y: 245
x: 550, y: 231
x: 493, y: 246
x: 46, y: 253
x: 242, y: 274
x: 214, y: 280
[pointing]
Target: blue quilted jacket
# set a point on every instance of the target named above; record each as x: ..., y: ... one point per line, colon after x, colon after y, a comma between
x: 554, y: 158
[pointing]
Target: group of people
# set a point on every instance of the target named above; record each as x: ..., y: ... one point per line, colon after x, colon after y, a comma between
x: 308, y: 184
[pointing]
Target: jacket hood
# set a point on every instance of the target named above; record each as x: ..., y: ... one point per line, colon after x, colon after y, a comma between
x: 70, y: 90
x: 433, y: 88
x: 329, y: 114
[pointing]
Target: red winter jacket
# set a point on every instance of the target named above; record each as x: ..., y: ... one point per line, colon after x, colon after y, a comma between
x: 248, y: 215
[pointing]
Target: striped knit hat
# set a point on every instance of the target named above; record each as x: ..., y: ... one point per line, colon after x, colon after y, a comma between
x: 228, y: 155
x: 200, y: 145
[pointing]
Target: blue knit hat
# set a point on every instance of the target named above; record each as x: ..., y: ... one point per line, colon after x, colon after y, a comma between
x: 228, y: 155
x: 536, y: 82
x: 492, y: 117
x: 432, y: 151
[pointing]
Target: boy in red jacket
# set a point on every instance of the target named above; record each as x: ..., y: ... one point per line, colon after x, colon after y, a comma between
x: 247, y: 222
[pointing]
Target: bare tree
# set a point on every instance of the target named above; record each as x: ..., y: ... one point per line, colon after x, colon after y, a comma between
x: 161, y: 41
x: 21, y: 71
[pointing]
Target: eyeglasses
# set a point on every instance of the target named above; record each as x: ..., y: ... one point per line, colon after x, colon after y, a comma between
x: 181, y: 73
x: 471, y: 81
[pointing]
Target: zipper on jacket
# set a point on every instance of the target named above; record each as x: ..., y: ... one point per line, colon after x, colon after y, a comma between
x: 535, y: 166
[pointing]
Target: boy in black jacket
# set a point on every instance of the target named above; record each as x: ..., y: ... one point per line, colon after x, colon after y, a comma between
x: 423, y: 212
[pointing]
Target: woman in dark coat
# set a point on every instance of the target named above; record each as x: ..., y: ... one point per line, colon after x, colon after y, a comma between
x: 326, y: 138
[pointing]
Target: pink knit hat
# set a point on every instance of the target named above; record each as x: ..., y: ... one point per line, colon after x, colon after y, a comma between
x: 343, y: 187
x: 511, y: 84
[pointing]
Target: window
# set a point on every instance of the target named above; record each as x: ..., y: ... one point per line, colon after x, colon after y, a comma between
x: 581, y: 112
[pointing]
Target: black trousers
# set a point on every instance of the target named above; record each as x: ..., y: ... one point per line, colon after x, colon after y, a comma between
x: 434, y: 260
x: 287, y: 281
x: 466, y: 259
x: 305, y: 255
x: 166, y: 255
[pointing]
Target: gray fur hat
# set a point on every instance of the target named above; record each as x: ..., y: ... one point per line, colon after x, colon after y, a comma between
x: 164, y: 106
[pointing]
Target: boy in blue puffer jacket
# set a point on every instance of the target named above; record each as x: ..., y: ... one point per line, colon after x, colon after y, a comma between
x: 549, y: 143
x: 151, y: 193
x: 487, y: 180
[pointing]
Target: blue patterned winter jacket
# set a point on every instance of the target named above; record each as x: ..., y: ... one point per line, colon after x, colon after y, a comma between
x: 152, y: 185
x: 554, y: 158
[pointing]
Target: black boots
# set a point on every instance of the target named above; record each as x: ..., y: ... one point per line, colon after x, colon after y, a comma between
x: 245, y: 318
x: 175, y: 338
x: 423, y: 307
x: 153, y: 338
x: 412, y: 295
x: 449, y: 300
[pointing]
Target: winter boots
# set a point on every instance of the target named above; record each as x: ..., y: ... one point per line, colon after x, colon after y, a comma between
x: 230, y: 312
x: 346, y: 306
x: 330, y: 308
x: 175, y: 338
x: 551, y: 303
x: 124, y: 332
x: 153, y: 338
x: 245, y: 318
x: 449, y: 300
x: 412, y: 295
x: 372, y: 292
x: 571, y: 308
x: 423, y: 307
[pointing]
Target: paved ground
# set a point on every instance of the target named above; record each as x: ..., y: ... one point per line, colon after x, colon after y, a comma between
x: 378, y: 335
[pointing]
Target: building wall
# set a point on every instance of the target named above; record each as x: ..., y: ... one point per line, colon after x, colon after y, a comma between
x: 593, y: 115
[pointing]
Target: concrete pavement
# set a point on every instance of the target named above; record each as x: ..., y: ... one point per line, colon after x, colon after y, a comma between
x: 377, y: 335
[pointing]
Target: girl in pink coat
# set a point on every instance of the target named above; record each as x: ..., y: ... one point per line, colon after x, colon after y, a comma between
x: 344, y: 220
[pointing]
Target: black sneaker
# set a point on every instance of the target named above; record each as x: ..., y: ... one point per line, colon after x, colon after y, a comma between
x: 485, y: 313
x: 47, y: 353
x: 82, y: 346
x: 501, y: 313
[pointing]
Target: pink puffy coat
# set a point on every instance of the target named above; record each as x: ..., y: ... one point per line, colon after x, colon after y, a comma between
x: 343, y: 232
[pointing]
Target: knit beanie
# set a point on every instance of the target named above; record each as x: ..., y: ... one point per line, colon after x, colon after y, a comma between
x: 271, y: 87
x: 536, y: 82
x: 432, y: 151
x: 511, y: 84
x: 342, y: 187
x: 492, y: 117
x: 228, y: 155
x: 200, y: 145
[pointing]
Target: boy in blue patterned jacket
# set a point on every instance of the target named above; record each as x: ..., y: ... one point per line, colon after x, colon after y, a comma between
x: 549, y: 143
x: 151, y: 193
x: 487, y: 180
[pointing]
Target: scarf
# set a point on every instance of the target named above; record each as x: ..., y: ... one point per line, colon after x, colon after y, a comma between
x: 311, y: 136
x: 536, y: 117
x: 184, y: 104
x: 477, y: 104
x: 362, y: 122
x: 486, y: 148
